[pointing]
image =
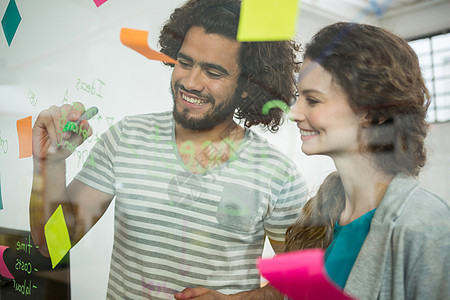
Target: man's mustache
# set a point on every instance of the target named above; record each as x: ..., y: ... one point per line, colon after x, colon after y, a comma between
x: 181, y: 87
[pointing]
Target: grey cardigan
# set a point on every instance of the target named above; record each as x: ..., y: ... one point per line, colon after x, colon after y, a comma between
x: 406, y: 254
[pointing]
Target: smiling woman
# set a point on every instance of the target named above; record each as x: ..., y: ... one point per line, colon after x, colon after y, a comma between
x: 363, y: 103
x: 327, y: 123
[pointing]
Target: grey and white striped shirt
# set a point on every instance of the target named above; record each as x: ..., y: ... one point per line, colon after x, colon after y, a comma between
x: 176, y: 229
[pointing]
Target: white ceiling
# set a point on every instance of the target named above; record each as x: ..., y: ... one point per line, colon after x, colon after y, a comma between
x: 409, y: 18
x: 351, y: 9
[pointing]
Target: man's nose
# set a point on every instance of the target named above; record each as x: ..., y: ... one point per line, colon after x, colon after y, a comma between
x: 194, y: 80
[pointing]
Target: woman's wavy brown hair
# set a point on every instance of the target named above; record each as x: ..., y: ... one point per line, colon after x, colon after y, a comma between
x: 267, y: 68
x: 381, y: 77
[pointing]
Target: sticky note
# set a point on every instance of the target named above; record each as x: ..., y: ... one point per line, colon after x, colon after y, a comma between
x: 267, y: 20
x: 3, y: 268
x: 24, y: 132
x: 99, y: 2
x: 301, y: 275
x: 137, y: 40
x: 10, y: 21
x: 1, y: 201
x: 57, y: 236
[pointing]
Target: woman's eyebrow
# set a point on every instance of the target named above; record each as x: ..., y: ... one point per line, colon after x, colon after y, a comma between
x: 310, y: 91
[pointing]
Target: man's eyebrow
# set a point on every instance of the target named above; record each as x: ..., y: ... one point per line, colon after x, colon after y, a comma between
x: 184, y: 56
x: 216, y: 67
x: 205, y: 64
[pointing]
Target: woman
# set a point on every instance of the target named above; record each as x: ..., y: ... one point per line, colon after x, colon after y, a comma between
x: 363, y: 103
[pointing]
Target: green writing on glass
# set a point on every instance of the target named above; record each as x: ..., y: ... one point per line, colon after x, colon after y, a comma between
x: 275, y: 104
x: 3, y: 144
x: 22, y: 265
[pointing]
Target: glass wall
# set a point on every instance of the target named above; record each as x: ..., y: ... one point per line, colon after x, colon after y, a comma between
x: 434, y: 56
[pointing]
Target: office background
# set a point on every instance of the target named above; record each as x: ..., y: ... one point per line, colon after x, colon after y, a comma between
x: 67, y: 51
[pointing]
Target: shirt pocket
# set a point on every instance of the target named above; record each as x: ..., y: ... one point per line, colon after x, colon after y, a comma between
x: 238, y: 208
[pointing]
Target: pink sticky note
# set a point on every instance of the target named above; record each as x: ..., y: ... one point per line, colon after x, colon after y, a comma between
x: 24, y: 132
x: 3, y: 268
x: 301, y: 275
x: 137, y: 40
x: 99, y: 2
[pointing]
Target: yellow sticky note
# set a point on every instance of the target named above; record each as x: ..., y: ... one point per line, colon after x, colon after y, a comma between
x: 267, y: 20
x: 57, y: 236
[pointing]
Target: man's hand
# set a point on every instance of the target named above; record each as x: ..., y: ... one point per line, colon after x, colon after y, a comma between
x: 50, y: 142
x: 51, y: 146
x: 200, y: 293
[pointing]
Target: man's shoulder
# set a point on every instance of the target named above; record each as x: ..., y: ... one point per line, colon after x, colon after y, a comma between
x: 145, y: 127
x: 261, y: 143
x: 159, y: 117
x: 161, y: 121
x: 259, y: 146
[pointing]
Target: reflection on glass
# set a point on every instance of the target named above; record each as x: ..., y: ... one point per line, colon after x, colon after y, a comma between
x: 434, y: 57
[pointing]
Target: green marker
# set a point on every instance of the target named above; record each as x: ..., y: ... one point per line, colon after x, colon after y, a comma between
x: 87, y: 115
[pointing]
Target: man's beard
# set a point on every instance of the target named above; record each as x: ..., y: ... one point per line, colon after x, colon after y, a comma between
x: 219, y: 115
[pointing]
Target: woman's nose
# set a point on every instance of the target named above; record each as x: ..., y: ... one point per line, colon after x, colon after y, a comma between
x: 297, y: 113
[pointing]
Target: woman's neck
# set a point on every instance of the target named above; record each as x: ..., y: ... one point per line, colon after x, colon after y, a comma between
x: 364, y: 186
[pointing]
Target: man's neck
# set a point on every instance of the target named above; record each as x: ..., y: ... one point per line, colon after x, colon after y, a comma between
x: 202, y: 150
x: 228, y: 130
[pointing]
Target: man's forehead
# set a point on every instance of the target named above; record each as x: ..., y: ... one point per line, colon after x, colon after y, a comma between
x: 210, y: 47
x: 201, y: 31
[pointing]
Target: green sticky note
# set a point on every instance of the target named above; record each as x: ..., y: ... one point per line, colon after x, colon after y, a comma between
x: 57, y: 236
x: 267, y: 20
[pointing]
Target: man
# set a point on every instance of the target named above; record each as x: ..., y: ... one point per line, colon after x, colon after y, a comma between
x: 195, y: 192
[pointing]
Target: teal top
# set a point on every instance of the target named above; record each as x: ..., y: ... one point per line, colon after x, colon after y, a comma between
x: 344, y: 249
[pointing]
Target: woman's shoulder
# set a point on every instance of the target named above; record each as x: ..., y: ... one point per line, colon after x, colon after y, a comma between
x: 422, y: 202
x: 406, y: 201
x: 426, y: 213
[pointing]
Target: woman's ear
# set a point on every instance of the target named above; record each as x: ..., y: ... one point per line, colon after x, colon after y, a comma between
x: 244, y: 95
x: 367, y: 121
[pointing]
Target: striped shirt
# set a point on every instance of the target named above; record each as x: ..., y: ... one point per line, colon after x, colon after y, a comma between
x: 176, y: 229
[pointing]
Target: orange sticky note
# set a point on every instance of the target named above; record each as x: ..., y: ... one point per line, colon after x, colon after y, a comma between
x: 137, y: 40
x: 24, y: 131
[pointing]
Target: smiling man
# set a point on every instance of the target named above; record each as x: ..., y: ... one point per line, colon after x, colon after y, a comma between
x: 204, y: 103
x: 196, y: 192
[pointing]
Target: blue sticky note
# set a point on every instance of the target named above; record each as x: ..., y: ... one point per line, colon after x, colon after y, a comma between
x: 10, y: 21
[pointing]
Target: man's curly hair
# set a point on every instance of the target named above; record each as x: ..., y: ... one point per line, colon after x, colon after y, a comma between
x: 267, y: 68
